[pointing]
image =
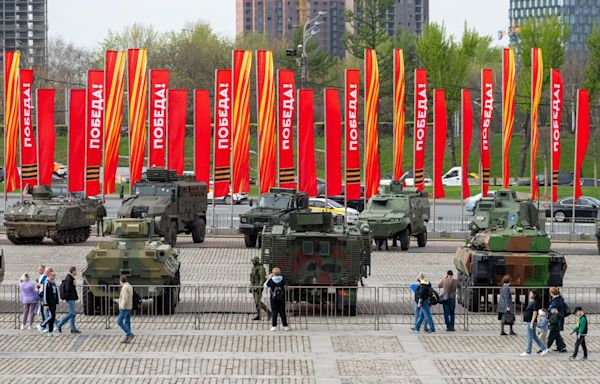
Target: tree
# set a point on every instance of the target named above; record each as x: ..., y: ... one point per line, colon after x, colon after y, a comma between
x: 136, y: 35
x: 592, y: 71
x: 368, y: 26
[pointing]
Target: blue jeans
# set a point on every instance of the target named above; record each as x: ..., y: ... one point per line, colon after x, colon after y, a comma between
x: 70, y: 316
x: 532, y: 336
x: 424, y: 314
x: 124, y: 321
x: 449, y: 306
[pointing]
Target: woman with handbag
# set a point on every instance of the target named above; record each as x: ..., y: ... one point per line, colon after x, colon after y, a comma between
x: 505, y: 307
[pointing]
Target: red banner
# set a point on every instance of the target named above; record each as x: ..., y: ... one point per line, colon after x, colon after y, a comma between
x: 11, y: 119
x: 307, y: 170
x: 333, y: 143
x: 77, y: 134
x: 537, y: 80
x: 508, y: 110
x: 372, y: 173
x: 352, y: 135
x: 267, y: 139
x: 137, y: 87
x: 287, y: 108
x: 94, y: 131
x: 159, y: 101
x: 556, y: 97
x: 202, y: 130
x: 29, y: 167
x: 439, y: 141
x: 113, y: 104
x: 176, y: 135
x: 242, y: 64
x: 420, y: 134
x: 46, y: 133
x: 487, y: 111
x: 399, y: 115
x: 466, y: 137
x: 582, y: 136
x: 222, y: 144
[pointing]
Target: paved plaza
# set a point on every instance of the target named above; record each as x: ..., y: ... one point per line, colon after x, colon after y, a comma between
x: 230, y: 348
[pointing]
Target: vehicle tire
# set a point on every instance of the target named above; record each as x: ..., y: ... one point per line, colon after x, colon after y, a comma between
x: 199, y: 230
x: 88, y: 301
x: 339, y: 220
x: 171, y: 236
x: 559, y: 216
x: 381, y: 244
x: 422, y: 239
x: 404, y: 240
x: 250, y: 240
x: 227, y: 200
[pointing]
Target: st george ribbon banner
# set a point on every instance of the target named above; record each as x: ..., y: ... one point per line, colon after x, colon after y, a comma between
x: 466, y: 137
x: 487, y: 111
x: 29, y: 163
x: 76, y: 161
x: 202, y: 130
x: 352, y: 139
x: 222, y: 136
x: 399, y: 112
x: 46, y: 133
x: 582, y: 137
x: 439, y: 141
x: 137, y: 87
x: 537, y: 80
x: 267, y: 139
x: 242, y: 63
x: 420, y: 133
x: 176, y: 136
x: 11, y: 120
x: 113, y: 102
x: 307, y: 170
x: 556, y: 104
x: 372, y: 172
x: 286, y: 112
x: 157, y: 132
x: 508, y: 110
x: 333, y: 143
x: 94, y: 131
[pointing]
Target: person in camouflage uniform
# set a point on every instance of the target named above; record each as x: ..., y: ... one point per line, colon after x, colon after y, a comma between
x: 257, y: 278
x: 100, y: 215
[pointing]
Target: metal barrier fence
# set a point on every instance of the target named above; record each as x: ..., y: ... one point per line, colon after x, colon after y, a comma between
x: 231, y: 307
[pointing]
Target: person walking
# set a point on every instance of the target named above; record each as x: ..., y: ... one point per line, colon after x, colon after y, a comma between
x: 449, y: 285
x: 69, y: 293
x: 542, y: 327
x: 581, y: 330
x: 416, y: 308
x: 40, y: 280
x: 530, y: 317
x: 125, y: 308
x: 100, y: 215
x: 558, y: 310
x: 505, y: 307
x: 276, y: 284
x: 424, y: 292
x: 257, y: 279
x: 28, y: 299
x: 49, y: 301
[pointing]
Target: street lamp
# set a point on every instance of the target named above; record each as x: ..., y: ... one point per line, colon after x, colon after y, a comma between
x: 308, y: 32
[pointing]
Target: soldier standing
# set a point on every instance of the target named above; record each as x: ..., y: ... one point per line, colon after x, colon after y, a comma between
x: 257, y: 279
x: 100, y: 215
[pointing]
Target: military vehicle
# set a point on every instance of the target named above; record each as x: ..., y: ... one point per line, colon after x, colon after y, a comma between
x: 180, y: 202
x: 134, y: 250
x: 311, y: 251
x: 64, y: 221
x: 502, y: 211
x: 397, y: 214
x: 522, y: 253
x: 272, y: 208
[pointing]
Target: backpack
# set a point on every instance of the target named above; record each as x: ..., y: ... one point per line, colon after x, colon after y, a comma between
x: 278, y: 293
x: 567, y: 312
x: 434, y: 299
x: 62, y: 291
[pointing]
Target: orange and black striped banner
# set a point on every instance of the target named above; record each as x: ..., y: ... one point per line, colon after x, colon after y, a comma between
x: 508, y: 110
x: 11, y: 119
x: 113, y: 104
x: 242, y: 65
x: 137, y: 92
x: 265, y: 85
x: 372, y: 171
x: 537, y: 79
x: 399, y: 113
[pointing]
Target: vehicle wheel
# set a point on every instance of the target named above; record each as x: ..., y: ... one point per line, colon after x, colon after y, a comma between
x: 250, y: 240
x: 381, y: 243
x: 227, y: 200
x: 86, y: 233
x: 339, y: 220
x: 422, y: 239
x: 199, y: 230
x: 171, y: 236
x: 165, y: 304
x: 88, y: 301
x: 559, y: 216
x: 404, y: 239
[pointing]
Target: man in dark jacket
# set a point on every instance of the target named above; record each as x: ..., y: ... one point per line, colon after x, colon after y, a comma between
x: 557, y: 303
x: 100, y: 215
x: 49, y: 301
x: 70, y: 295
x: 424, y: 292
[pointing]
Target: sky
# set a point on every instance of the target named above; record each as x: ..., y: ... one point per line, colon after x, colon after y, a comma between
x: 87, y: 22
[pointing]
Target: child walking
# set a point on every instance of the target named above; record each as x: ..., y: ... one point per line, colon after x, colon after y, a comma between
x: 581, y: 329
x: 542, y: 326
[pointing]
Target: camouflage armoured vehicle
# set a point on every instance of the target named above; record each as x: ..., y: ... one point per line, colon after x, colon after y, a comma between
x: 522, y: 253
x: 311, y: 251
x: 134, y: 250
x: 178, y: 201
x: 397, y: 214
x: 272, y: 208
x: 64, y: 221
x: 503, y: 210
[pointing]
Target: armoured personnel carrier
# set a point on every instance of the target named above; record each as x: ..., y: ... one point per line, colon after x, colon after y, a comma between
x: 134, y: 250
x: 398, y: 213
x: 311, y: 251
x: 180, y: 203
x: 522, y: 253
x: 272, y: 208
x: 503, y: 210
x: 64, y: 221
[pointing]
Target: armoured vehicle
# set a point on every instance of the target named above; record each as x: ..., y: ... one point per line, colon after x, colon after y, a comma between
x: 503, y: 210
x: 522, y: 253
x: 311, y: 251
x: 272, y: 208
x: 180, y: 202
x: 134, y: 250
x: 64, y: 221
x: 397, y: 214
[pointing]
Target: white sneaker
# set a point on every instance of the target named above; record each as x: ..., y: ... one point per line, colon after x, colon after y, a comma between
x: 22, y: 327
x: 544, y: 352
x: 286, y: 328
x: 40, y: 329
x: 29, y: 327
x: 49, y: 334
x: 525, y: 354
x: 273, y: 329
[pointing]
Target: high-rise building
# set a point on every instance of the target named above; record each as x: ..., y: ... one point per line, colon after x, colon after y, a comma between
x: 24, y: 27
x: 579, y: 15
x: 410, y: 15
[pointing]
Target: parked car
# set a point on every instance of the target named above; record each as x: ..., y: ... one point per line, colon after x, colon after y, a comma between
x: 521, y: 182
x: 358, y: 204
x: 587, y: 182
x: 454, y: 176
x: 586, y: 208
x: 317, y: 204
x: 564, y: 178
x: 238, y: 198
x: 59, y: 190
x: 472, y: 201
x: 409, y: 179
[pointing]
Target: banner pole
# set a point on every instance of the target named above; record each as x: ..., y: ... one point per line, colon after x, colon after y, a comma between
x: 551, y: 158
x: 86, y: 138
x: 325, y: 134
x: 576, y: 170
x: 434, y: 150
x: 214, y: 136
x: 5, y: 120
x: 231, y: 146
x: 345, y: 141
x: 258, y: 127
x: 68, y: 125
x: 503, y: 118
x: 277, y: 128
x: 462, y: 165
x: 102, y: 162
x: 19, y: 134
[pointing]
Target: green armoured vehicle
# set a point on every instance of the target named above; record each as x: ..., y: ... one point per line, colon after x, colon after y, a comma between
x: 179, y: 201
x: 397, y: 214
x: 134, y: 250
x: 502, y: 211
x: 522, y: 253
x: 311, y: 251
x: 272, y: 208
x: 65, y: 221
